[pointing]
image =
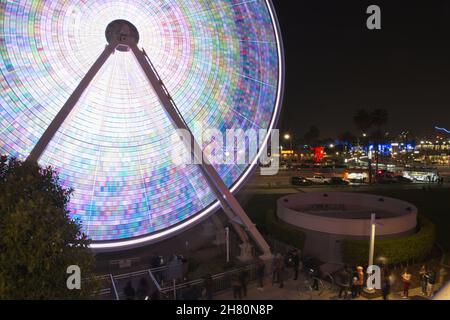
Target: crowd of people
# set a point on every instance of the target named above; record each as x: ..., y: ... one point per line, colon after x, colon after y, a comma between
x: 281, y: 262
x: 175, y: 269
x: 427, y: 281
x: 350, y: 281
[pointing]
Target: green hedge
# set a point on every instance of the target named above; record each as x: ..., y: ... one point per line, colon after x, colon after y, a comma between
x: 396, y: 251
x: 282, y: 231
x: 197, y: 269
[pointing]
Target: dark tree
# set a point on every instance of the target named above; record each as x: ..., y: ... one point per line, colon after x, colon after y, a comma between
x: 348, y: 138
x: 38, y: 239
x: 312, y: 135
x: 379, y: 119
x: 363, y: 120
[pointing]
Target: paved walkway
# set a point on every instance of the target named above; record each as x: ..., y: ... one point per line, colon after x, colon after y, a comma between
x: 291, y: 291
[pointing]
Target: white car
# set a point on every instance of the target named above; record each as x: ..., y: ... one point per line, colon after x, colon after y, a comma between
x: 319, y: 179
x: 421, y: 176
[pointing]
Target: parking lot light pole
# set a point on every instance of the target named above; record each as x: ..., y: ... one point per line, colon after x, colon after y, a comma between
x: 287, y: 136
x: 372, y: 238
x: 372, y: 245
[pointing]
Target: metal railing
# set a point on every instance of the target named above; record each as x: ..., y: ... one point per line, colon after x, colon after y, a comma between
x: 113, y: 285
x: 161, y: 280
x: 220, y: 282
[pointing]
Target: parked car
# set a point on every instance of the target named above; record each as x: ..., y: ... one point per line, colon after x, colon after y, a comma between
x: 319, y: 179
x: 336, y: 181
x: 300, y: 181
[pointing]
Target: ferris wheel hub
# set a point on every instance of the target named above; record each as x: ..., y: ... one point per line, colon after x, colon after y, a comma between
x: 122, y: 31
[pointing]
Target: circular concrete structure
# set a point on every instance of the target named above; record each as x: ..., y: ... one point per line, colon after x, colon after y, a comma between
x: 328, y: 218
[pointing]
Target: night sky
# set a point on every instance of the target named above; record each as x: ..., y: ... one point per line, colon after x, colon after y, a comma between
x: 335, y: 65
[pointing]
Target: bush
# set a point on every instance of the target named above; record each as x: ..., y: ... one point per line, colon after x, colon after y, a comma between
x: 262, y: 210
x: 416, y: 246
x: 259, y: 206
x: 283, y: 231
x: 38, y: 238
x: 215, y: 265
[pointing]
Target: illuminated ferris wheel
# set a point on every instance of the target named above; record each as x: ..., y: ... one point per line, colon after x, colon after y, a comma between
x: 102, y: 112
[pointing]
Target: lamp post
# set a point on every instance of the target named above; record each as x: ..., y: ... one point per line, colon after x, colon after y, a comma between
x: 287, y: 136
x: 372, y: 238
x: 372, y: 245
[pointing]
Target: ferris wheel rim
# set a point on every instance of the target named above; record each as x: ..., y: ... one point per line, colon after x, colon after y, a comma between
x: 202, y: 212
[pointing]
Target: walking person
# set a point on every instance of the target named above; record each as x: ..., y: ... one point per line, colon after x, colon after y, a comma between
x: 142, y: 292
x: 281, y: 269
x: 423, y: 274
x: 360, y: 275
x: 208, y: 286
x: 314, y: 273
x: 275, y: 260
x: 260, y: 268
x: 406, y: 279
x: 129, y: 292
x: 295, y: 263
x: 354, y: 285
x: 386, y: 286
x: 243, y: 279
x: 236, y: 284
x: 431, y: 281
x: 344, y: 279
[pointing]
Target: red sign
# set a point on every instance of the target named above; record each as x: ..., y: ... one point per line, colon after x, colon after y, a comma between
x: 319, y: 153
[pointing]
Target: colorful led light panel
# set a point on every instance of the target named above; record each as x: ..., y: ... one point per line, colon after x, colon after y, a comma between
x: 219, y: 59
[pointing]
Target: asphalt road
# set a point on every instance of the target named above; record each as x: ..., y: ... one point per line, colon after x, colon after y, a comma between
x: 281, y: 183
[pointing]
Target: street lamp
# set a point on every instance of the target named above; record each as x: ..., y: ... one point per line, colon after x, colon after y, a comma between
x: 373, y: 225
x: 372, y: 238
x: 287, y: 136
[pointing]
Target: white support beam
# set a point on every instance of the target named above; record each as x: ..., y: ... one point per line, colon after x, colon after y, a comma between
x: 50, y: 132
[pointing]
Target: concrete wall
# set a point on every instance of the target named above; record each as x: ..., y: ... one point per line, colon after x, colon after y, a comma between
x: 404, y: 214
x: 324, y: 235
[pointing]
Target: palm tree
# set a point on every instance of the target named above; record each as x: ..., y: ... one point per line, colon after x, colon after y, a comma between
x: 347, y: 138
x: 312, y: 135
x: 363, y: 121
x: 379, y: 117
